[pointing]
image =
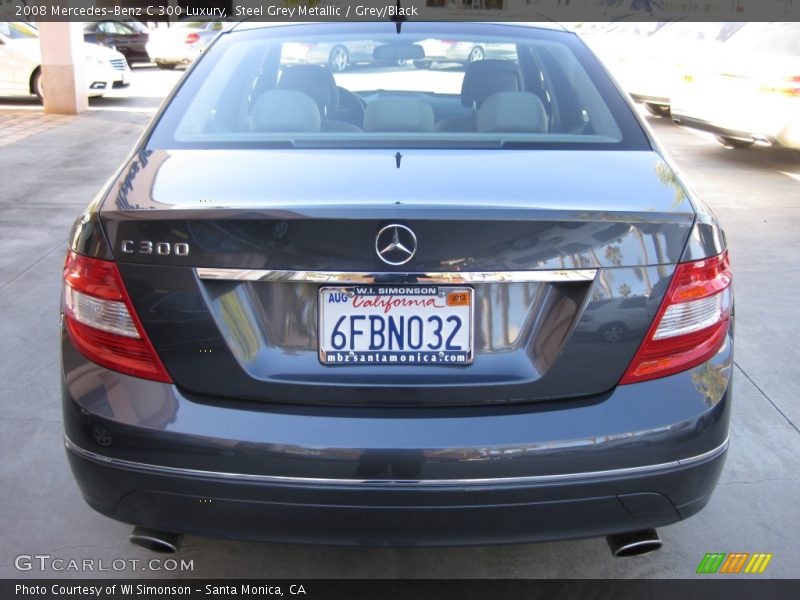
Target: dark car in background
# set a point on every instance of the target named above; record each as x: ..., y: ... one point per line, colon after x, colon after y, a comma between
x: 126, y: 37
x: 350, y: 308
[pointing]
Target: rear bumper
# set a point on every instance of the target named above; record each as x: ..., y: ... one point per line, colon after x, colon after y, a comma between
x: 786, y: 135
x: 172, y: 54
x: 399, y: 513
x: 643, y: 455
x: 650, y: 99
x: 710, y: 127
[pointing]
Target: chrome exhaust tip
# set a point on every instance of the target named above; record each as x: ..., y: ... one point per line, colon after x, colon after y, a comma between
x: 162, y: 542
x: 634, y: 543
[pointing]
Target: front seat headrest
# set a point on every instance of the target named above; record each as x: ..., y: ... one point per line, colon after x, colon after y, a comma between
x: 486, y: 77
x: 315, y: 81
x: 285, y: 110
x: 512, y: 112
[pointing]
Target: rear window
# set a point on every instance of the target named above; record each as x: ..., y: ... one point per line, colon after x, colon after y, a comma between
x: 367, y: 86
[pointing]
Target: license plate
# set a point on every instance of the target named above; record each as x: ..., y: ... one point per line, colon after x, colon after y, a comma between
x: 395, y: 325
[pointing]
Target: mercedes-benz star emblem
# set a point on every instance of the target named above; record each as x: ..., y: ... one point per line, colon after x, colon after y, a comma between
x: 396, y: 244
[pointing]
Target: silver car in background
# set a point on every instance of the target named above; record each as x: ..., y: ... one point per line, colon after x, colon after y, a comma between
x: 454, y: 51
x: 337, y: 56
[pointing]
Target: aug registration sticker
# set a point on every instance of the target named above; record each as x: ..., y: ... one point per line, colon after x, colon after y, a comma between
x: 395, y: 325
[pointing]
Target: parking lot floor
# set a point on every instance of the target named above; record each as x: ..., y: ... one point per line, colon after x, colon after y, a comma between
x: 51, y: 174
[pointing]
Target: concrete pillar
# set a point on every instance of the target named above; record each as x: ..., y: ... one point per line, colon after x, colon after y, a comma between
x: 63, y: 64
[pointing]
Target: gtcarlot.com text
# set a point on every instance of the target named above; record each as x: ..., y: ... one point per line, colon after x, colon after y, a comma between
x: 47, y: 562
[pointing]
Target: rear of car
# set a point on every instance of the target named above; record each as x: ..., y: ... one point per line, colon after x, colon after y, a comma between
x: 654, y: 65
x: 356, y: 308
x: 181, y: 43
x: 748, y: 93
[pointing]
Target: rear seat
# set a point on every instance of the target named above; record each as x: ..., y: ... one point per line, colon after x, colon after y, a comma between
x: 398, y: 114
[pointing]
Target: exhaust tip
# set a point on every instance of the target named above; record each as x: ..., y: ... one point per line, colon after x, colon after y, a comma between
x: 635, y: 543
x: 162, y: 542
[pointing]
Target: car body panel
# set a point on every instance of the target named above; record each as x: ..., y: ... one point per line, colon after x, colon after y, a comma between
x: 541, y: 223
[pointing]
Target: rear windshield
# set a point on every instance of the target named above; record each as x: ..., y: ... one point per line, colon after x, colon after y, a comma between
x: 333, y: 85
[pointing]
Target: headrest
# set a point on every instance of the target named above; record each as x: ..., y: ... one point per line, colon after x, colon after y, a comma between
x: 398, y: 114
x: 512, y: 112
x: 486, y: 77
x: 315, y: 81
x: 285, y: 110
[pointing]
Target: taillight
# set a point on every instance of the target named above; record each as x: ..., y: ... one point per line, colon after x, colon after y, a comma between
x: 691, y: 323
x: 101, y: 321
x: 787, y: 87
x: 192, y: 38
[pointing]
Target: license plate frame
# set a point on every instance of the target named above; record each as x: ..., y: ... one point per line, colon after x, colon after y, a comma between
x: 425, y: 302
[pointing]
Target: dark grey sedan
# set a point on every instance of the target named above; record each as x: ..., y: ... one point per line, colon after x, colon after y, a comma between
x: 400, y: 307
x: 127, y: 37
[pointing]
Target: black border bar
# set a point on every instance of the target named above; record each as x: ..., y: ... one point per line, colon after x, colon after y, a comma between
x: 710, y: 588
x: 400, y: 10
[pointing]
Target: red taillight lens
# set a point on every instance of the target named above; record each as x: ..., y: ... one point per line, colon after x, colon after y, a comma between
x: 101, y: 321
x: 192, y: 38
x: 691, y: 323
x: 787, y: 87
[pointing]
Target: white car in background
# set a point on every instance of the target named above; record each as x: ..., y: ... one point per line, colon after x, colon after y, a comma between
x: 748, y: 92
x: 652, y: 66
x: 614, y: 42
x: 21, y: 61
x: 182, y: 42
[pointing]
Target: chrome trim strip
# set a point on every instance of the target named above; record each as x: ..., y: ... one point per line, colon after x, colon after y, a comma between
x: 282, y: 479
x: 443, y: 278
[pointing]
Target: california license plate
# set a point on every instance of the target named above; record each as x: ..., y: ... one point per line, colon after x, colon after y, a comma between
x: 395, y: 325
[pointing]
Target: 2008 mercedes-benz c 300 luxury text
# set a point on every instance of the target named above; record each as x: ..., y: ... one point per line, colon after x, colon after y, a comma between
x: 397, y: 305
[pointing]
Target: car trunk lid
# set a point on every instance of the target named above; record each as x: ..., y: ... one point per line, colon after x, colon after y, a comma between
x: 223, y: 254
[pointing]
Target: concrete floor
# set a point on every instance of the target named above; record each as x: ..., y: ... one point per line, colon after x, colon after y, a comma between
x: 49, y: 176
